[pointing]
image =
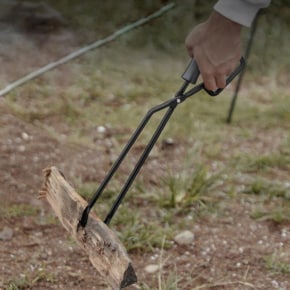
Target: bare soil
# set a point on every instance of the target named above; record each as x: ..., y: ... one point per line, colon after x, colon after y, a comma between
x: 228, y: 252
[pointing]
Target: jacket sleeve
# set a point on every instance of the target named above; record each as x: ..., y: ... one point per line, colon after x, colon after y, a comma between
x: 240, y: 11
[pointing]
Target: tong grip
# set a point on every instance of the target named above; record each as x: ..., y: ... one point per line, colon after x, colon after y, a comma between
x: 192, y: 72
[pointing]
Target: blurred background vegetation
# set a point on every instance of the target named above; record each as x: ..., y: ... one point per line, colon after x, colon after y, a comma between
x: 92, y: 20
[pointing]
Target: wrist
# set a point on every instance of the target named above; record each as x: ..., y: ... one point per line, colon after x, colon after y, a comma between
x: 218, y: 21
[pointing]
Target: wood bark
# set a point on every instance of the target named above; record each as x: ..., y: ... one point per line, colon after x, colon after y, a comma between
x: 105, y: 251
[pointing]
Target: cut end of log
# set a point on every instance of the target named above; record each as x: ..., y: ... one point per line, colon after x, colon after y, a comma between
x: 129, y: 277
x: 105, y: 251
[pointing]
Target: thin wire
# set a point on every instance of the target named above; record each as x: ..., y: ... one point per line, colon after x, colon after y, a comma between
x: 85, y: 49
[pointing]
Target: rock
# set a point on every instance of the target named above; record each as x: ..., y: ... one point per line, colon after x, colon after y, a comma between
x: 6, y: 234
x: 151, y: 269
x: 167, y: 143
x: 25, y: 136
x: 101, y: 129
x: 184, y: 238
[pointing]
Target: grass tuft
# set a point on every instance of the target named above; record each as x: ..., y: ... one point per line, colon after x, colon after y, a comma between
x: 278, y: 263
x: 188, y: 188
x: 140, y: 234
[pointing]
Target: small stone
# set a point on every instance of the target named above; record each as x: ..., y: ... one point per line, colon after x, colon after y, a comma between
x: 184, y: 238
x: 275, y: 284
x: 101, y: 129
x: 166, y: 143
x: 151, y: 269
x: 25, y: 136
x: 6, y: 234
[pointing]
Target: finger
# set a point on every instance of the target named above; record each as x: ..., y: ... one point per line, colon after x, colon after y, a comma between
x: 209, y: 82
x: 206, y: 70
x: 189, y: 47
x: 222, y: 72
x: 221, y: 80
x: 190, y: 51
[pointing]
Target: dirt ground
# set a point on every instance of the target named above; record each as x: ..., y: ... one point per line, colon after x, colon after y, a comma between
x: 36, y: 253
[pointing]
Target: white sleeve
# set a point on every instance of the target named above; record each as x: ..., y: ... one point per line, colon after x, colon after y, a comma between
x: 240, y: 11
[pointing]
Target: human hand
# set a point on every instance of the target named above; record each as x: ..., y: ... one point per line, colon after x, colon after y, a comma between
x: 216, y: 47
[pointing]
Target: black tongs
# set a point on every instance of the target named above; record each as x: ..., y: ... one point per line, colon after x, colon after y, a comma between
x: 190, y: 76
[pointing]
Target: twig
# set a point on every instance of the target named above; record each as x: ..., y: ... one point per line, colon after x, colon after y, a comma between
x: 85, y: 49
x: 221, y: 284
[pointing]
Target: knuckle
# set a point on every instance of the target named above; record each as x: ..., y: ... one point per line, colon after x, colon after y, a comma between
x: 208, y: 73
x: 222, y: 71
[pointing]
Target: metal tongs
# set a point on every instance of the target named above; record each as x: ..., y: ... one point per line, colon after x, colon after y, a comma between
x: 190, y: 76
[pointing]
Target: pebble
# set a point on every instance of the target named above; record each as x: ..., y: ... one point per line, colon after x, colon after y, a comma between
x: 25, y: 136
x: 169, y: 142
x: 6, y: 234
x: 184, y: 238
x: 101, y: 129
x: 151, y: 269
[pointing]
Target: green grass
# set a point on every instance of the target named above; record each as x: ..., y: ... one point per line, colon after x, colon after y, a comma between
x: 142, y: 233
x: 268, y: 192
x: 28, y: 281
x: 267, y: 188
x: 250, y: 163
x: 187, y: 187
x: 18, y: 210
x: 278, y: 263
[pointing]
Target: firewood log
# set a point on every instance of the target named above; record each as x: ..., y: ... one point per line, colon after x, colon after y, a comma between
x: 105, y: 250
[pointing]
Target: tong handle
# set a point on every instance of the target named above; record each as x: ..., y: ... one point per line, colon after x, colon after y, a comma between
x: 230, y: 78
x: 192, y: 72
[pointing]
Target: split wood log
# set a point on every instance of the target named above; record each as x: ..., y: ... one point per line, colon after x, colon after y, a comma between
x: 105, y: 251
